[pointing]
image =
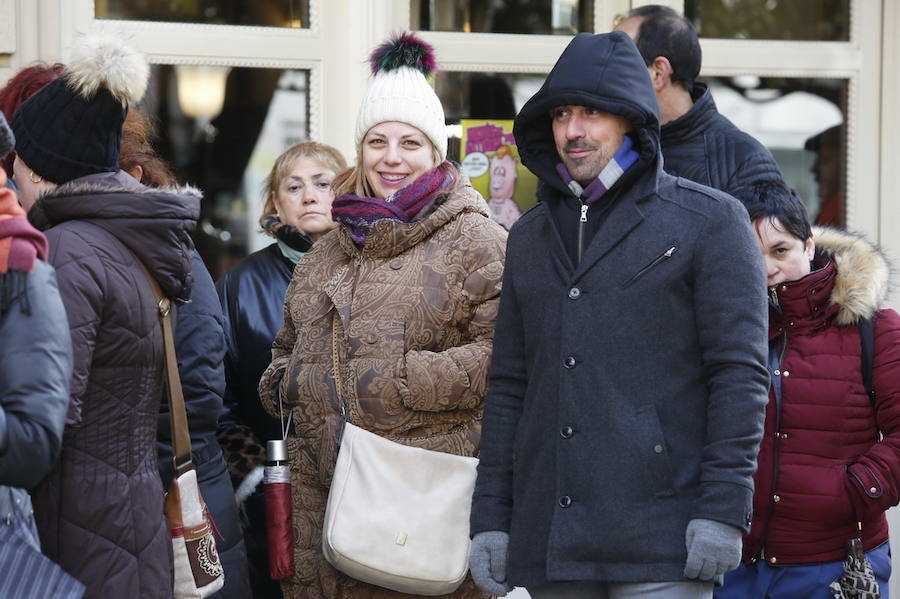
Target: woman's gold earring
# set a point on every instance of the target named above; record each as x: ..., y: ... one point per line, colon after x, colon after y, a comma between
x: 34, y: 178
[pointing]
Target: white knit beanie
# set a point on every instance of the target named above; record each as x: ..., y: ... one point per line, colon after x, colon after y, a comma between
x: 400, y: 91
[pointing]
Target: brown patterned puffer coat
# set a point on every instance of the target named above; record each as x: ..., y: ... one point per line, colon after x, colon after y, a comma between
x: 417, y: 307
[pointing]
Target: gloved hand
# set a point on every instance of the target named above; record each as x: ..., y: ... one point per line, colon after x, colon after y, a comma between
x: 487, y: 562
x: 713, y: 548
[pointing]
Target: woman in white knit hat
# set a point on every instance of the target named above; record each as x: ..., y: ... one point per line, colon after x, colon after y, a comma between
x: 411, y: 281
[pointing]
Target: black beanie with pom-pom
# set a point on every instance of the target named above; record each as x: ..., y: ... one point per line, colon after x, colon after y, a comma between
x: 72, y: 127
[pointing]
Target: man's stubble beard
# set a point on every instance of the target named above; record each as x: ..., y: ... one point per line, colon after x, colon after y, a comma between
x: 584, y: 170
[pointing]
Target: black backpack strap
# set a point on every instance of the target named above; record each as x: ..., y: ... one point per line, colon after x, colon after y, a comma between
x: 867, y: 341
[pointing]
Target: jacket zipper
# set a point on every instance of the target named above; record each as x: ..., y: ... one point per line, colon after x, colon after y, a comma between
x: 664, y: 256
x: 776, y: 457
x: 581, y: 221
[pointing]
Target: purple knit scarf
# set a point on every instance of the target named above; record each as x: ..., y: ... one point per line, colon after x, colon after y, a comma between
x: 624, y: 157
x: 360, y: 213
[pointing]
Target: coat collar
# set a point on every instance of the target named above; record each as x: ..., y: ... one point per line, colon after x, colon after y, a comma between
x: 389, y: 238
x: 694, y: 122
x: 155, y: 224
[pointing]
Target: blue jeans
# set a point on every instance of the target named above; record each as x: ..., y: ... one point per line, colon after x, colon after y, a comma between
x: 762, y: 581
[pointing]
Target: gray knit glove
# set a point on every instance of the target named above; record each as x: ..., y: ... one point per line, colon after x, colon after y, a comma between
x: 713, y: 548
x: 487, y: 562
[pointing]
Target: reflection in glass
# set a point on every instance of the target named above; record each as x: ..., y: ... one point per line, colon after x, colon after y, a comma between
x: 271, y: 13
x: 480, y: 108
x: 801, y: 20
x: 229, y: 154
x: 482, y: 96
x: 468, y: 95
x: 561, y: 17
x: 801, y: 122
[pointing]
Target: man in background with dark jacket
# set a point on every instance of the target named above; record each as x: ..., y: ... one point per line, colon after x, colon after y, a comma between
x: 628, y: 384
x: 698, y: 143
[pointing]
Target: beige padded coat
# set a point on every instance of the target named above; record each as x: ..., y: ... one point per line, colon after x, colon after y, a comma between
x: 416, y: 308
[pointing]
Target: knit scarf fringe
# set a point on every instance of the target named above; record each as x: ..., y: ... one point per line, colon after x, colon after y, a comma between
x: 13, y: 289
x: 359, y: 213
x: 20, y: 245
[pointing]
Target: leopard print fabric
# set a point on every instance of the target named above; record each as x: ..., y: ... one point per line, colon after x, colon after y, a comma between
x: 417, y: 308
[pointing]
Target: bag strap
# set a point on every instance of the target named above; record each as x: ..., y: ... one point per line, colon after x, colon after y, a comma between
x: 337, y: 374
x: 867, y: 341
x: 178, y: 425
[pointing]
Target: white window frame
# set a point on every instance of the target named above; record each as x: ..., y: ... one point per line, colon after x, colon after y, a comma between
x: 859, y: 62
x: 342, y: 32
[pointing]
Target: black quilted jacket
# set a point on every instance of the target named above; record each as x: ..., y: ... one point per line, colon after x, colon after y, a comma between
x: 707, y: 148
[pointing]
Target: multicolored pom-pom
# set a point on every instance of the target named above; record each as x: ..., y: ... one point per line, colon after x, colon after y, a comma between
x: 403, y: 50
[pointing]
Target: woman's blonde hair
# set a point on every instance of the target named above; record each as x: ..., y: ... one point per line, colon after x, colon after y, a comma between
x: 328, y: 156
x: 354, y: 180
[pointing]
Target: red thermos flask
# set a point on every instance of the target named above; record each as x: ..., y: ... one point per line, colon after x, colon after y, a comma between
x: 279, y: 524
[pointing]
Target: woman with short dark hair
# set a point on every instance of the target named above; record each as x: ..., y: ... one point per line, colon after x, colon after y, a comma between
x: 829, y: 463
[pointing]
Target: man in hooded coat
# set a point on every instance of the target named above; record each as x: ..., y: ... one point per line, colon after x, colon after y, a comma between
x: 628, y: 384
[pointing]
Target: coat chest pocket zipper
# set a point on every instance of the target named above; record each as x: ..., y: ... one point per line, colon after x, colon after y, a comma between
x: 661, y: 258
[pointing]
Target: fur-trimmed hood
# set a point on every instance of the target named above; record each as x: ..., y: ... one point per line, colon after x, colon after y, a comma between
x: 155, y: 224
x: 862, y: 283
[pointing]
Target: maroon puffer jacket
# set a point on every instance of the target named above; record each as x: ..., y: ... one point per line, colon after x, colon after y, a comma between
x: 820, y: 468
x: 100, y: 510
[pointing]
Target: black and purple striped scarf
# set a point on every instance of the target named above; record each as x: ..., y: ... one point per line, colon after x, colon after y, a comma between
x: 360, y: 213
x: 624, y: 157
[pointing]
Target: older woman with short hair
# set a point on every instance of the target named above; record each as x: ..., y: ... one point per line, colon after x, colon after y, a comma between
x: 296, y: 213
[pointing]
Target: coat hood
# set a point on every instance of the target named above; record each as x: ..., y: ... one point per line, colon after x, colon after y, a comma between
x: 153, y: 223
x: 862, y: 283
x: 603, y: 71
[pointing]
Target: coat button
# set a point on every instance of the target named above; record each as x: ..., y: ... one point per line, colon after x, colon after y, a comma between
x: 566, y: 432
x: 396, y: 264
x: 569, y: 362
x: 777, y: 373
x: 565, y: 501
x: 371, y: 338
x: 776, y: 498
x: 772, y: 560
x: 574, y: 293
x: 657, y: 449
x: 873, y: 490
x: 786, y: 373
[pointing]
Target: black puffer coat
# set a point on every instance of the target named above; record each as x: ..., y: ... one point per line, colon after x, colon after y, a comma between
x: 100, y: 510
x: 706, y: 147
x: 200, y: 347
x: 252, y: 298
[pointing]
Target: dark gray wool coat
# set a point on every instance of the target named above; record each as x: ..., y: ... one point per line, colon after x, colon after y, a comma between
x: 627, y: 392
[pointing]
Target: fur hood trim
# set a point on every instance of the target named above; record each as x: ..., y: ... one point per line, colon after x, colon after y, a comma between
x: 863, y: 273
x: 80, y: 188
